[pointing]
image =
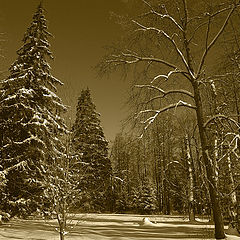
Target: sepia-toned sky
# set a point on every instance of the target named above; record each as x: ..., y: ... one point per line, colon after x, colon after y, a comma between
x: 81, y: 29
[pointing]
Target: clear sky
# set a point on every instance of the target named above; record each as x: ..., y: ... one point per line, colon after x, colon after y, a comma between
x: 81, y: 29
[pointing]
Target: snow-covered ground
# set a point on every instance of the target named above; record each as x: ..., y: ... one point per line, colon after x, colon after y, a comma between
x: 112, y: 227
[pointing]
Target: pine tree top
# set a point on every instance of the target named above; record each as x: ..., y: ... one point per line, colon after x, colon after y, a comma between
x: 86, y: 109
x: 32, y: 57
x: 30, y: 74
x: 87, y: 128
x: 85, y: 99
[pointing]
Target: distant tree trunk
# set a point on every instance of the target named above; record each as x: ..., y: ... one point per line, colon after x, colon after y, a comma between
x: 158, y: 182
x: 233, y: 197
x: 165, y: 193
x: 215, y: 159
x: 191, y: 203
x: 162, y: 177
x: 166, y: 200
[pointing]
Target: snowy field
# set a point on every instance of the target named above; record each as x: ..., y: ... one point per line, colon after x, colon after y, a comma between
x: 111, y: 227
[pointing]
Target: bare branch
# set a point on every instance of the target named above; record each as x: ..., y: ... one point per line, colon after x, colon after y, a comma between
x: 206, y: 51
x: 170, y: 106
x: 220, y: 116
x: 151, y: 119
x: 234, y: 141
x: 195, y: 31
x: 234, y: 189
x: 179, y: 52
x: 153, y: 11
x: 164, y: 93
x: 207, y: 33
x: 131, y: 58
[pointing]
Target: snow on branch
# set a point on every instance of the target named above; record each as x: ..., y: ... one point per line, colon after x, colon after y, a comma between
x: 235, y: 142
x: 166, y: 15
x: 232, y: 145
x: 165, y: 93
x: 131, y: 58
x: 118, y: 178
x: 170, y: 38
x: 220, y: 116
x: 21, y: 164
x: 175, y: 71
x: 151, y: 119
x: 29, y: 139
x: 218, y: 77
x: 175, y: 162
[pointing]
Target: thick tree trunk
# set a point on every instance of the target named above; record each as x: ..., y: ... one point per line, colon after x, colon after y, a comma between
x: 215, y: 202
x: 237, y: 101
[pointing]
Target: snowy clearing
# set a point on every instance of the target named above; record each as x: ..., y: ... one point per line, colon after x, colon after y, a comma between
x: 112, y: 227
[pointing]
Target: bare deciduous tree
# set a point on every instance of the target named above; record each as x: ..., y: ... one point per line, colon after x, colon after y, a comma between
x: 175, y: 43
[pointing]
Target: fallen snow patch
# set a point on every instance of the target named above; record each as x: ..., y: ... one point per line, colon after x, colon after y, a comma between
x: 146, y: 222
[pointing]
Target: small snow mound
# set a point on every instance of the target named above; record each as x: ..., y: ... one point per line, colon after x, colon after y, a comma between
x: 146, y: 222
x: 232, y: 231
x: 202, y: 220
x: 231, y: 237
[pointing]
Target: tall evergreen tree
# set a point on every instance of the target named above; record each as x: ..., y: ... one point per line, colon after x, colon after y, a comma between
x: 89, y: 142
x: 30, y: 122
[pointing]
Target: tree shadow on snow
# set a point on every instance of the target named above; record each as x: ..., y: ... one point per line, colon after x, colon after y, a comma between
x: 147, y: 232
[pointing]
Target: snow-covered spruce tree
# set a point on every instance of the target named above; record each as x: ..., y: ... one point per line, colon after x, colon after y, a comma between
x: 147, y: 198
x: 92, y: 147
x: 30, y: 122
